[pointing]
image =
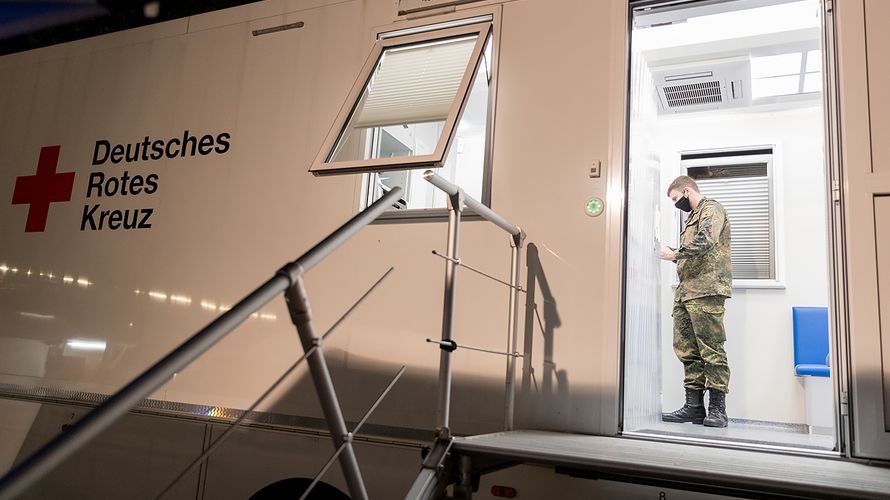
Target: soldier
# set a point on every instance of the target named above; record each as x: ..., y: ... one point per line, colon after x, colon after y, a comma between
x: 705, y: 270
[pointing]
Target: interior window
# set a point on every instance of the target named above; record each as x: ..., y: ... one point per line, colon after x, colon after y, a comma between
x: 741, y: 181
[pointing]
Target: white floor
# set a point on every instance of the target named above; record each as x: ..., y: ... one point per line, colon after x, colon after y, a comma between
x: 747, y: 432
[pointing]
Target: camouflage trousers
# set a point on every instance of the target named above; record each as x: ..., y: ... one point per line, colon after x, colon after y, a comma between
x: 698, y: 342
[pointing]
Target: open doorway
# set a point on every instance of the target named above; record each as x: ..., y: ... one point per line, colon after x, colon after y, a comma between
x: 730, y: 94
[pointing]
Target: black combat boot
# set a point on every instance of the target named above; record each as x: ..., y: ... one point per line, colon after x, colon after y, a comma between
x: 693, y: 411
x: 716, y: 409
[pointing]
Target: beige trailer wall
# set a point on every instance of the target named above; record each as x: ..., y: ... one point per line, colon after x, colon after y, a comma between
x: 863, y: 75
x: 18, y: 416
x: 223, y: 223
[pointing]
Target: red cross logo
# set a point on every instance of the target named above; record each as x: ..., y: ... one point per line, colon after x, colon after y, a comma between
x: 44, y: 188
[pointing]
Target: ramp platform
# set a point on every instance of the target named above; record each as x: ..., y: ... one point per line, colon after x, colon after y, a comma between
x: 756, y: 474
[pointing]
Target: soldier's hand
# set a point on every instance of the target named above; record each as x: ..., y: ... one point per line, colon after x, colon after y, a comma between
x: 666, y: 253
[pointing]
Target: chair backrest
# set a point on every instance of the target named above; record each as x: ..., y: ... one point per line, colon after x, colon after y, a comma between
x: 810, y: 335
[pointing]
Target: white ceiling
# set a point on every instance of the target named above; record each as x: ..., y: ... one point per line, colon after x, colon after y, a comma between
x: 781, y: 40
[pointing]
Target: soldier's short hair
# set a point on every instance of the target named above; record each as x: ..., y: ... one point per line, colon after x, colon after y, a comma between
x: 681, y: 183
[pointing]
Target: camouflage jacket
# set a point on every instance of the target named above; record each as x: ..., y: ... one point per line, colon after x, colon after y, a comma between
x: 704, y: 257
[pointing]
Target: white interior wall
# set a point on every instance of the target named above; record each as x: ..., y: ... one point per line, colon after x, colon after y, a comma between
x: 758, y: 321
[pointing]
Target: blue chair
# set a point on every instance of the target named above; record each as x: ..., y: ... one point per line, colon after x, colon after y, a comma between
x: 810, y: 341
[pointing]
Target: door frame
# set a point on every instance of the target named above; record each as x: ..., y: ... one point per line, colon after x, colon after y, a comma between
x: 835, y: 225
x: 858, y: 186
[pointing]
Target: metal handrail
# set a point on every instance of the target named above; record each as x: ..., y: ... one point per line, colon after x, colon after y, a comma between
x: 23, y: 475
x: 477, y: 206
x: 435, y: 471
x: 457, y: 199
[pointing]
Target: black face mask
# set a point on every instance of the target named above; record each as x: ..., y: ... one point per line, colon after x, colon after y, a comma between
x: 684, y: 204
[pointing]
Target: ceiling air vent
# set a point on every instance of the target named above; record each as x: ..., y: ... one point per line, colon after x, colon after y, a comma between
x: 703, y: 85
x: 692, y: 94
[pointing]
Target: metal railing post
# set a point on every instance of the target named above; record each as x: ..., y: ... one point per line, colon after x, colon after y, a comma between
x: 513, y: 328
x: 301, y: 315
x: 517, y: 236
x: 456, y: 202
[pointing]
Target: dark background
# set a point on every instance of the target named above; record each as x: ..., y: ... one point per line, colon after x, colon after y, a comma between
x: 26, y: 25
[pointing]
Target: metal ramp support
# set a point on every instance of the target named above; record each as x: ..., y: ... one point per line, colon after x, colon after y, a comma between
x: 435, y: 472
x: 301, y: 315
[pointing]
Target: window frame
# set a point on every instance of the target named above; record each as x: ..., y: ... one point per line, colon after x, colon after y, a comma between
x: 750, y: 154
x: 321, y: 165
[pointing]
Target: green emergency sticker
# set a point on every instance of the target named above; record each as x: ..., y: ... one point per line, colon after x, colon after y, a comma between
x: 593, y: 207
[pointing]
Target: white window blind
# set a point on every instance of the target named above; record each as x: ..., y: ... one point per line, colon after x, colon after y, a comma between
x: 416, y: 87
x: 415, y: 84
x: 749, y: 208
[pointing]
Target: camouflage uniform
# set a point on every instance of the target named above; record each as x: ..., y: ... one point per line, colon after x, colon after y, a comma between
x: 705, y: 269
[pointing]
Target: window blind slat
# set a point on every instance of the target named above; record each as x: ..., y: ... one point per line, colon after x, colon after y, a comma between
x: 415, y: 84
x: 748, y: 207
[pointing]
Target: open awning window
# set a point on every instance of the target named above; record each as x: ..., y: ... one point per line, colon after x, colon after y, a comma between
x: 411, y: 90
